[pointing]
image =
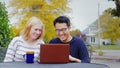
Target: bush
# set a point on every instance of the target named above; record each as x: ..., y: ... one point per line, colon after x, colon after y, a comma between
x: 5, y: 31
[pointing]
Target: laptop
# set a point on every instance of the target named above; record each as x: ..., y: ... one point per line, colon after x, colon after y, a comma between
x: 54, y: 53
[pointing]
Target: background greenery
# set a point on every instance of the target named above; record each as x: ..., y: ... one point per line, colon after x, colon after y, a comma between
x: 46, y: 10
x: 5, y: 31
x: 110, y: 23
x: 106, y: 47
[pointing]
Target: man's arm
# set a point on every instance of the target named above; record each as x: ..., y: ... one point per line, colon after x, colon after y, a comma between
x: 83, y: 52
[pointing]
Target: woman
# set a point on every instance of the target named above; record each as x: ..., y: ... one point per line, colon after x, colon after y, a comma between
x: 29, y: 40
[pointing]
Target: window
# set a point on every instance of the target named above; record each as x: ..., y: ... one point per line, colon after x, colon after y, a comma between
x: 92, y: 39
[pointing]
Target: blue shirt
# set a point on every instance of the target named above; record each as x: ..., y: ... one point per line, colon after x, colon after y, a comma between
x: 78, y: 48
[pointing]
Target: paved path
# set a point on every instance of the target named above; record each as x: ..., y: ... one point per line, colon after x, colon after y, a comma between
x: 110, y: 58
x: 110, y: 63
x: 108, y: 55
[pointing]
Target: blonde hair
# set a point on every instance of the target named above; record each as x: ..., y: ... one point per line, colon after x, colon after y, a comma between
x: 31, y: 22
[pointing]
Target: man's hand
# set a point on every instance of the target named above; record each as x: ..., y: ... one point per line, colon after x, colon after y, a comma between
x: 74, y: 59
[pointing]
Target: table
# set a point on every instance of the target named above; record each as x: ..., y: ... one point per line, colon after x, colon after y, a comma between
x: 38, y: 65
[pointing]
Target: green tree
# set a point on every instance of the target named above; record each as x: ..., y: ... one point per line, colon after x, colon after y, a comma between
x: 46, y: 10
x: 5, y: 31
x: 116, y: 11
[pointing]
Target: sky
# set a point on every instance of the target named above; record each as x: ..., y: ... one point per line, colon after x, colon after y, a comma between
x: 85, y: 12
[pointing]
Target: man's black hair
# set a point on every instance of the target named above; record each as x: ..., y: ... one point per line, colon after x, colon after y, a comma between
x: 62, y: 19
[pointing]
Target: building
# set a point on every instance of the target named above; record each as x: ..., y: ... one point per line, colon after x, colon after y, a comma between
x: 92, y: 35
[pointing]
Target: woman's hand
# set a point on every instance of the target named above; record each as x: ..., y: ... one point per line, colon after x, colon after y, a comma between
x: 74, y: 59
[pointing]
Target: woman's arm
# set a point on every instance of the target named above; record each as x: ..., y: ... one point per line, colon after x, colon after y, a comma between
x: 10, y: 51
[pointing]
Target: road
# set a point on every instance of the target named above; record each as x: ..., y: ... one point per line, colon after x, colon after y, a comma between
x: 110, y: 58
x: 110, y: 63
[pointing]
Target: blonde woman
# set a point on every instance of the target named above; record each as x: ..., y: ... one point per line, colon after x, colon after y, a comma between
x: 29, y: 40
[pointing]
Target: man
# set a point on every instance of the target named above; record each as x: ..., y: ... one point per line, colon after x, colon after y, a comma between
x: 78, y: 50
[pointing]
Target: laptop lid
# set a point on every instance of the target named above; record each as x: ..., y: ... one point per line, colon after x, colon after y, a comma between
x: 54, y: 53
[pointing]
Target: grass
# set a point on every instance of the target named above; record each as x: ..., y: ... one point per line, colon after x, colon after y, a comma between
x: 107, y: 47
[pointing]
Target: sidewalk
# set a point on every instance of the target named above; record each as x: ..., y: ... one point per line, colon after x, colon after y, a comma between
x: 108, y: 55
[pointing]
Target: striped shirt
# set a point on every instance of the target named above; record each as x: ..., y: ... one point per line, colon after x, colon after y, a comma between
x: 18, y: 47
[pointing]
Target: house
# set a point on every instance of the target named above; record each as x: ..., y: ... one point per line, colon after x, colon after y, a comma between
x: 92, y: 35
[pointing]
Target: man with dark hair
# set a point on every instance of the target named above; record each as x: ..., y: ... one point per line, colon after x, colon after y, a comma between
x: 78, y: 50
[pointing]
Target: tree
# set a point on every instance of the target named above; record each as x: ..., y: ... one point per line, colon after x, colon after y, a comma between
x: 116, y: 11
x: 75, y: 32
x: 110, y: 23
x: 110, y: 26
x: 46, y: 10
x: 5, y: 31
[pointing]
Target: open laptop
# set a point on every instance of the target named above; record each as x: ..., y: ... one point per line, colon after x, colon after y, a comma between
x: 54, y: 53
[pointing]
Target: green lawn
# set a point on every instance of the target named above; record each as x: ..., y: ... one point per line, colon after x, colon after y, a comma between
x: 107, y: 47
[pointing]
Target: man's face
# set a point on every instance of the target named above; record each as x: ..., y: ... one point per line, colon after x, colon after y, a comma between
x: 62, y: 31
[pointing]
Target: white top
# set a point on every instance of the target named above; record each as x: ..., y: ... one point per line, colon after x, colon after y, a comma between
x: 18, y: 47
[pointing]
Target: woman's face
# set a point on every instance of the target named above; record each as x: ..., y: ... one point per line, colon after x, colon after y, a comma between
x: 35, y: 31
